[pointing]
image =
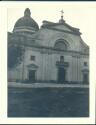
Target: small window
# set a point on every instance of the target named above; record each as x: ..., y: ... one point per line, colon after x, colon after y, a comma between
x: 32, y: 58
x: 85, y: 63
x: 61, y: 58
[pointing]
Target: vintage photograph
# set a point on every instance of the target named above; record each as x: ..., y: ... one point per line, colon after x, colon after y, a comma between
x: 48, y: 61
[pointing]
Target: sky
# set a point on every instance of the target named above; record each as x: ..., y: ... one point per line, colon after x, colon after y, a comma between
x: 80, y: 15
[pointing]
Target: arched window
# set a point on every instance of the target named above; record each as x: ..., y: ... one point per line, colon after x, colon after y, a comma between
x: 60, y: 44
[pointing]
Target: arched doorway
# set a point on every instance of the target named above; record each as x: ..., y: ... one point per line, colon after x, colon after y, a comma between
x: 62, y: 70
x: 61, y: 44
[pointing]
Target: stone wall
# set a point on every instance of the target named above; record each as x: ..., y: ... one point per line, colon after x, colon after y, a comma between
x: 47, y: 69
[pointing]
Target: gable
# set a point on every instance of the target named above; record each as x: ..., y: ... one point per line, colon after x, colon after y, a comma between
x: 63, y: 27
x: 48, y: 37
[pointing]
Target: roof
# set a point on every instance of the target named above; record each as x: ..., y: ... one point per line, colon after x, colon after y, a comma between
x: 48, y: 24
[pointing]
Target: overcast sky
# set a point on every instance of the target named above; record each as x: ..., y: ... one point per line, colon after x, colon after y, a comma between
x: 81, y: 15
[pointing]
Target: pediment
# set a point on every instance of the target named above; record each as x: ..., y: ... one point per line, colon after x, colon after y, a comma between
x: 61, y: 27
x: 32, y: 66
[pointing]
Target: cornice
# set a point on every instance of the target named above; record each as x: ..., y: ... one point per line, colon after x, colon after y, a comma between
x: 50, y: 50
x: 60, y: 30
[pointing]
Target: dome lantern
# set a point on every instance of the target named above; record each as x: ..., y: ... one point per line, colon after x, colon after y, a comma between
x: 27, y: 12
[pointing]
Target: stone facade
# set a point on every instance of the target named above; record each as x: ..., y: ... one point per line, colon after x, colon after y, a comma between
x: 53, y: 53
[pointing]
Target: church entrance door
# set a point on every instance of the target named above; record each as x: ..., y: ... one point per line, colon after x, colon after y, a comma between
x: 61, y: 75
x: 32, y: 75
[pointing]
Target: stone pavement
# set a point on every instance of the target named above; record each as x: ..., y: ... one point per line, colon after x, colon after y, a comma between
x: 45, y: 85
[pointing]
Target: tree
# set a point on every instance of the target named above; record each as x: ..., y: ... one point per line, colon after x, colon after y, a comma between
x: 15, y: 55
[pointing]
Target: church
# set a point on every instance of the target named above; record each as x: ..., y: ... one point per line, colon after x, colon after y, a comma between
x: 53, y: 53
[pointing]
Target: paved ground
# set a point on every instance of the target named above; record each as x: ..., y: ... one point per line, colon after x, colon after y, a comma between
x: 48, y: 102
x: 44, y: 85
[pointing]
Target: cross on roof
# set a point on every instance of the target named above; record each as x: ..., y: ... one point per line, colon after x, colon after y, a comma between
x: 62, y: 12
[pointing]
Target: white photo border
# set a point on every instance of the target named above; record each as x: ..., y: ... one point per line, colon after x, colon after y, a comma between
x: 3, y: 72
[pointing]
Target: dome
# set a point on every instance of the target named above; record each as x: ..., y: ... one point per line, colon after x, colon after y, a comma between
x: 26, y: 23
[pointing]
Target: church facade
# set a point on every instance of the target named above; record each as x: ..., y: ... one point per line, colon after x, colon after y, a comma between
x: 53, y: 53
